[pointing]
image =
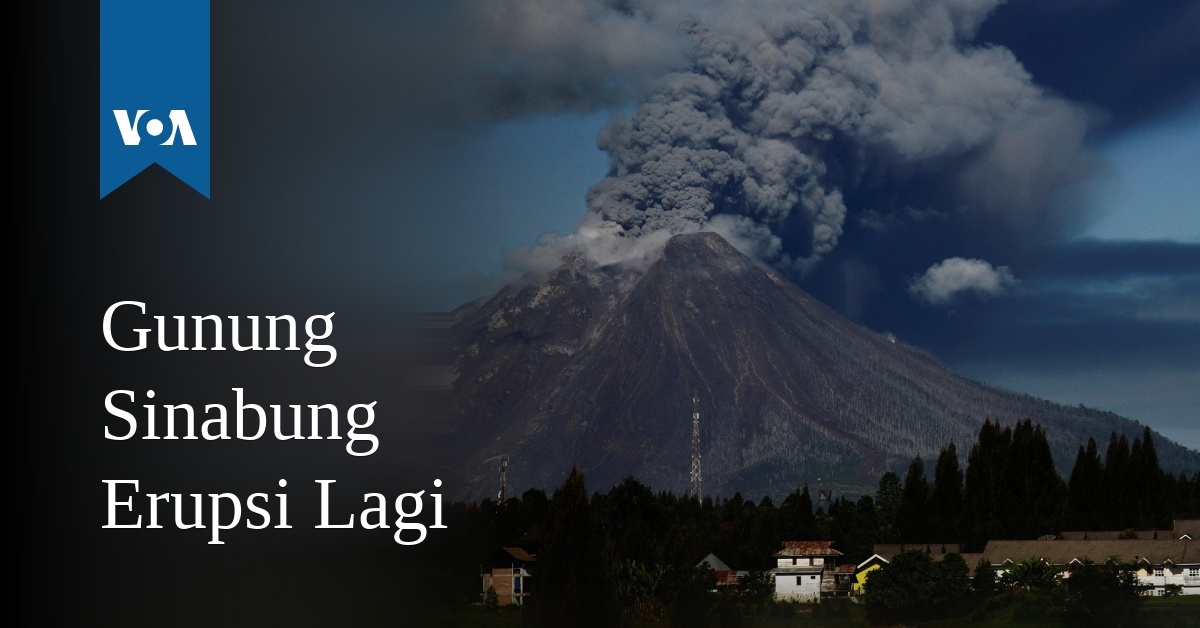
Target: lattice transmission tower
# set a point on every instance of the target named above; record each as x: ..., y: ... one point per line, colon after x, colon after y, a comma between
x: 697, y: 479
x: 503, y: 495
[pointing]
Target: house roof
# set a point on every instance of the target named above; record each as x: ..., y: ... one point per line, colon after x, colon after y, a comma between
x: 1190, y: 527
x: 1060, y: 552
x: 715, y: 563
x: 519, y: 554
x: 509, y: 556
x: 729, y: 577
x: 1114, y: 535
x: 807, y: 548
x: 845, y: 569
x: 875, y: 559
x: 936, y: 551
x: 1089, y: 535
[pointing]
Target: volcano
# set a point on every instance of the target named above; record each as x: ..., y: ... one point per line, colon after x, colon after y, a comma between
x: 597, y: 368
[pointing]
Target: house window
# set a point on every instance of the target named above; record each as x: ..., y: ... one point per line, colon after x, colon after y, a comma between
x: 799, y: 580
x: 1158, y: 572
x: 793, y: 561
x: 1194, y: 572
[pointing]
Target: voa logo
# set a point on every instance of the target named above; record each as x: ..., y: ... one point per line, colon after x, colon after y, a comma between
x: 131, y: 135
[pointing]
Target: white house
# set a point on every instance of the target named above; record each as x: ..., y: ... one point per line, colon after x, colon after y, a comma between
x: 804, y: 570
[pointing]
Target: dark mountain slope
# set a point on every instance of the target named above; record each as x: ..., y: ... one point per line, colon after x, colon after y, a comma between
x: 597, y: 367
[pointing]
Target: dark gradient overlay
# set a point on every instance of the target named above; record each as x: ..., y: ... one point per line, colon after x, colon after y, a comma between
x: 243, y: 253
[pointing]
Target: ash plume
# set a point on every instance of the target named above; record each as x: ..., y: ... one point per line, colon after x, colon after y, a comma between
x: 778, y: 122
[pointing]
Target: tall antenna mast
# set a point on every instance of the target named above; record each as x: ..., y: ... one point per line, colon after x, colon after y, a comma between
x: 503, y: 479
x: 696, y: 477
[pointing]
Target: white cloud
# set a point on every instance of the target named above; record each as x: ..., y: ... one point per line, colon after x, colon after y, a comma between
x: 943, y: 281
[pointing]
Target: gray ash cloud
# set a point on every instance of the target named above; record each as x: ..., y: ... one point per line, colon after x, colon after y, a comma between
x: 763, y: 119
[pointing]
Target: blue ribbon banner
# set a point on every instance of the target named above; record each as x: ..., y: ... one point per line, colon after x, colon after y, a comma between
x: 154, y: 90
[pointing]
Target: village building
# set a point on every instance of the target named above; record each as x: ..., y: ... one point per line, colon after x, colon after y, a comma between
x: 1158, y: 563
x: 508, y: 570
x: 726, y: 577
x: 807, y: 570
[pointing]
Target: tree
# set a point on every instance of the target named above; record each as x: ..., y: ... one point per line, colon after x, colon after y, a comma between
x: 864, y: 532
x: 905, y: 589
x: 1106, y: 594
x: 1085, y: 490
x: 946, y: 502
x: 953, y: 578
x: 796, y: 516
x: 574, y: 586
x: 1147, y: 480
x: 756, y: 586
x: 1034, y: 491
x: 985, y: 495
x: 1034, y: 574
x: 984, y: 580
x: 643, y: 591
x: 632, y: 515
x: 912, y: 516
x: 1117, y: 489
x: 887, y: 499
x: 692, y: 596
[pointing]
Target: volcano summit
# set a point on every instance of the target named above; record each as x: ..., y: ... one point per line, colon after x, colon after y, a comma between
x: 596, y: 367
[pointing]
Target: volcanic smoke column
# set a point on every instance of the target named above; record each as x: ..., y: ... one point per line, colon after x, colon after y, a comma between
x: 781, y: 108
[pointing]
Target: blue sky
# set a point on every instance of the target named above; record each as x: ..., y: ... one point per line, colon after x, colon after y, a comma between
x: 1152, y: 191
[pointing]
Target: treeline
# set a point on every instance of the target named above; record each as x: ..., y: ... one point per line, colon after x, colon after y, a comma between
x: 1008, y: 489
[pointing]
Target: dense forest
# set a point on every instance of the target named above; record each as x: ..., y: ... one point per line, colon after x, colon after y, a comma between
x: 1007, y: 489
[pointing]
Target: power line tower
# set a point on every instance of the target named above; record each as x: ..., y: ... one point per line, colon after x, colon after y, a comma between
x: 503, y: 479
x: 696, y: 477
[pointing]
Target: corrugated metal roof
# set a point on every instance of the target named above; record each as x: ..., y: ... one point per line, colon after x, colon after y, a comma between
x: 519, y: 554
x: 845, y: 569
x: 1179, y: 552
x: 728, y: 577
x: 807, y: 548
